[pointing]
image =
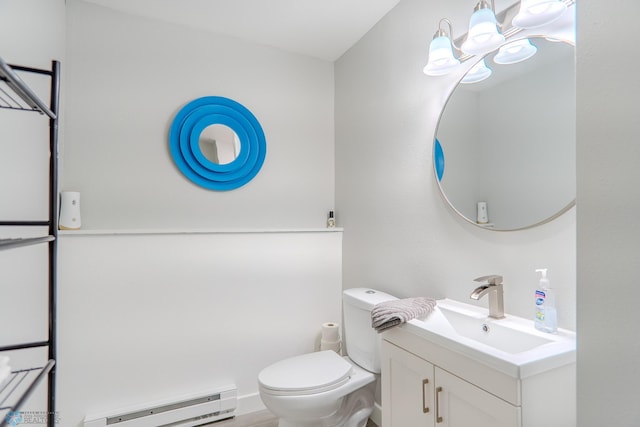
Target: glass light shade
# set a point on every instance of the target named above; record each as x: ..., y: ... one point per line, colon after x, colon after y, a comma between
x: 536, y: 13
x: 483, y: 35
x: 441, y: 59
x: 515, y: 52
x: 477, y: 73
x: 564, y: 29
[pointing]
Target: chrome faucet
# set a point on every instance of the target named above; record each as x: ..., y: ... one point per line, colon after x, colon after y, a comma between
x: 493, y: 287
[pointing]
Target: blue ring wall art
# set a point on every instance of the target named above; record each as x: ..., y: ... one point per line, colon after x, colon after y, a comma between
x: 184, y: 136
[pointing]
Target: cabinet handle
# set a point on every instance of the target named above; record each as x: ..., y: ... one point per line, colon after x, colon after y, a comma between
x: 438, y: 417
x: 425, y: 408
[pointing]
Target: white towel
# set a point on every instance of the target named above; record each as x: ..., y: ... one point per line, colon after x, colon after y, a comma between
x: 395, y: 312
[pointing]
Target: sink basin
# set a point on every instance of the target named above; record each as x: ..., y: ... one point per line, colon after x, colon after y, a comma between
x: 499, y: 335
x: 512, y: 344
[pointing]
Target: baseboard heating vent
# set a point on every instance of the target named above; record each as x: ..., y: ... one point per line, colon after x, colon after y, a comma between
x: 184, y: 411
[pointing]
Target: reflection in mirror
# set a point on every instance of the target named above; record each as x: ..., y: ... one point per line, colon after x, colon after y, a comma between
x: 509, y: 141
x: 219, y: 144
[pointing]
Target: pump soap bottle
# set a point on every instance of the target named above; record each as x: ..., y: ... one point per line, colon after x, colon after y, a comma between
x: 546, y: 319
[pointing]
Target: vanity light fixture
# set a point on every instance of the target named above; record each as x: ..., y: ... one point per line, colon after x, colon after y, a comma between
x: 536, y: 13
x: 488, y: 31
x: 514, y: 52
x: 441, y: 58
x: 484, y: 35
x: 477, y: 73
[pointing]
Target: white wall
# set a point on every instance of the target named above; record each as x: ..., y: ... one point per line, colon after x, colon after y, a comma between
x: 154, y: 316
x: 129, y: 76
x: 32, y: 34
x: 608, y: 203
x: 399, y: 235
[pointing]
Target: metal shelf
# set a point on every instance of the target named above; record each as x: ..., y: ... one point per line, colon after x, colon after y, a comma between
x: 15, y: 94
x: 15, y: 391
x: 20, y: 242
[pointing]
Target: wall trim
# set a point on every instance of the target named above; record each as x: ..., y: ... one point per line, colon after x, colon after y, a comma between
x: 131, y: 232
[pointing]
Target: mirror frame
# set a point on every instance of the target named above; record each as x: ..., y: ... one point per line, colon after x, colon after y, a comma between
x: 184, y: 137
x: 439, y: 160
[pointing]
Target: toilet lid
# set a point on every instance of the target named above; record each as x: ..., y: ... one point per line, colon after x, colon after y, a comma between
x: 317, y: 372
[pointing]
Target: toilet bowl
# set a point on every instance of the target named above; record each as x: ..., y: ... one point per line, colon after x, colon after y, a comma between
x: 319, y: 389
x: 324, y: 389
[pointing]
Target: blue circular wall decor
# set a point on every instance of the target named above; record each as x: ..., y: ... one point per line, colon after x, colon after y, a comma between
x: 184, y: 137
x: 438, y: 156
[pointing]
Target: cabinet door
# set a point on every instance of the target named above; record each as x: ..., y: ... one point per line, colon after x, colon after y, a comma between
x: 407, y: 389
x: 461, y: 404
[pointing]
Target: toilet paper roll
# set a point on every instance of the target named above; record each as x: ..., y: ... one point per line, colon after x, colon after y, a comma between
x: 330, y: 331
x: 331, y: 345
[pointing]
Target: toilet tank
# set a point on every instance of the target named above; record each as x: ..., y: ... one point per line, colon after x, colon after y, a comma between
x: 361, y: 341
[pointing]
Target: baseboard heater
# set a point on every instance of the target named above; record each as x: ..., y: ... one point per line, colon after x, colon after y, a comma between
x: 184, y: 411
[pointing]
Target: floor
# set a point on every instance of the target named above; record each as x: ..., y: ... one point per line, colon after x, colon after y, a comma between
x: 257, y: 419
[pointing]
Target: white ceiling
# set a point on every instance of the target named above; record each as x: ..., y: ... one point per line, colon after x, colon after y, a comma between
x: 323, y: 29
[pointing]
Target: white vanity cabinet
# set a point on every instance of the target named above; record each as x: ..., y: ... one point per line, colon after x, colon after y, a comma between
x: 427, y: 385
x: 418, y: 393
x: 407, y: 388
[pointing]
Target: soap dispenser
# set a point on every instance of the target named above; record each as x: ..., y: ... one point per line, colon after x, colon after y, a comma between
x: 546, y: 319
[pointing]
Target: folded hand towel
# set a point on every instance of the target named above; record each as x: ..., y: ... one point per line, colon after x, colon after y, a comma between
x: 395, y: 312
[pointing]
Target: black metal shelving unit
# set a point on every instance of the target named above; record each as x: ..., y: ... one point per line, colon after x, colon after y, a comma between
x: 15, y: 94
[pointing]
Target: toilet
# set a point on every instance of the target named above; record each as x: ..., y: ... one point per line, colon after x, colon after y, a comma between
x: 323, y: 389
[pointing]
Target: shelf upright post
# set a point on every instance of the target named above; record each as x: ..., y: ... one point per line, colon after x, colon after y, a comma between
x: 53, y: 231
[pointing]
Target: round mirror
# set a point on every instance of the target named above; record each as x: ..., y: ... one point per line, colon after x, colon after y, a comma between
x: 504, y: 152
x: 219, y: 144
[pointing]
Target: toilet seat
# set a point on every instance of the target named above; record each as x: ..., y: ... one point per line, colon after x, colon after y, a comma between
x: 306, y: 374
